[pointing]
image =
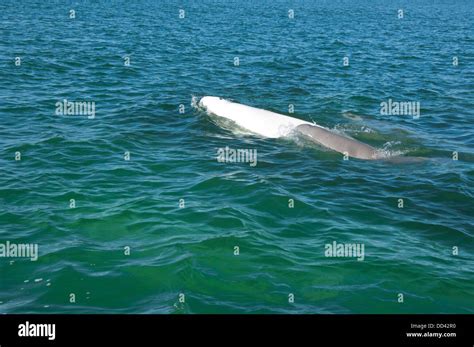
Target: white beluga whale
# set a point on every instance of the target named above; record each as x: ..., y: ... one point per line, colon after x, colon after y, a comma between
x: 274, y: 125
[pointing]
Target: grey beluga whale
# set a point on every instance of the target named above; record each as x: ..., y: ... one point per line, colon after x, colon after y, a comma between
x: 274, y: 125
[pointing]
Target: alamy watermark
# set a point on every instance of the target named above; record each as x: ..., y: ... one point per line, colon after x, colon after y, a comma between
x: 28, y: 329
x: 75, y: 108
x: 400, y: 108
x: 239, y: 155
x: 345, y: 250
x: 19, y: 250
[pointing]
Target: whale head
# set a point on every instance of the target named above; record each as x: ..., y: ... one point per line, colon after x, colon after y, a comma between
x: 209, y: 101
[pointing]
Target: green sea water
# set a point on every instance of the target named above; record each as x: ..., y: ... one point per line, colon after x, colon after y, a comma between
x: 172, y: 230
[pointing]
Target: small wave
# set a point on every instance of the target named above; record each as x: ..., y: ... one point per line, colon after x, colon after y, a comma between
x: 353, y: 128
x: 388, y: 152
x: 194, y: 102
x: 352, y: 116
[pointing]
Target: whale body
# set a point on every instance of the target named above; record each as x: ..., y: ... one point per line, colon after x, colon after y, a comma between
x: 274, y: 125
x: 339, y: 143
x: 256, y: 120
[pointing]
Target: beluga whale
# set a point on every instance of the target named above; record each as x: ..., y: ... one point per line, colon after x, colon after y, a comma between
x: 273, y: 125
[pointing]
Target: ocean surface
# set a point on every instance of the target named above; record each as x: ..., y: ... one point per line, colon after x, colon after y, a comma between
x: 158, y: 233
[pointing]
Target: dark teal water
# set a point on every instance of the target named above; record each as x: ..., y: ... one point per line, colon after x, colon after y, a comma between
x: 190, y: 250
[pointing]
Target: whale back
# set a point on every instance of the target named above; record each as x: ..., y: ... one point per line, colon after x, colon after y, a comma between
x: 259, y: 121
